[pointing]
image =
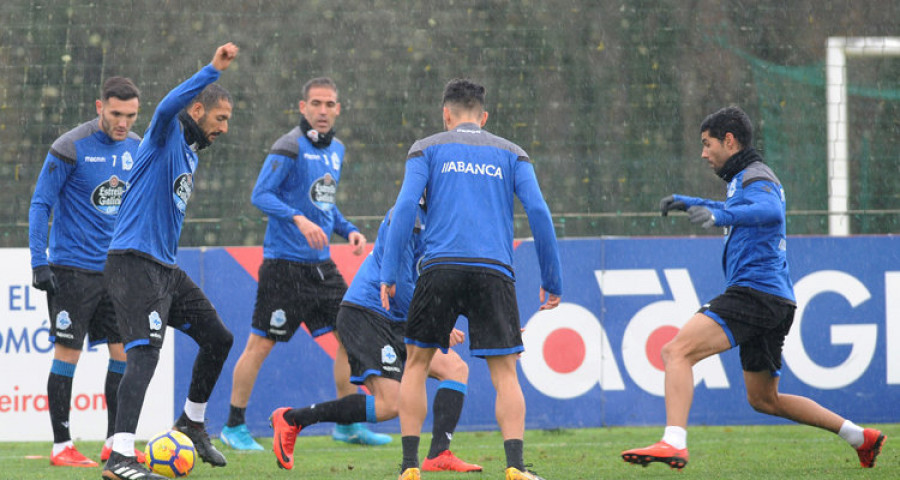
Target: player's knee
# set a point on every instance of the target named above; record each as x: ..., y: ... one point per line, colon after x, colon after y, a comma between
x: 459, y: 371
x: 763, y: 403
x: 227, y: 339
x: 671, y: 352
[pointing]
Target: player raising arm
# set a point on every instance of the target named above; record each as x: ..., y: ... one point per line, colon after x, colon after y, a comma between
x: 149, y: 290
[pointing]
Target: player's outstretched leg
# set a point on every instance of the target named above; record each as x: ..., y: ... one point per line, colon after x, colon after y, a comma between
x: 358, y: 434
x: 871, y: 447
x: 196, y: 431
x: 658, y: 452
x: 239, y: 438
x: 283, y: 438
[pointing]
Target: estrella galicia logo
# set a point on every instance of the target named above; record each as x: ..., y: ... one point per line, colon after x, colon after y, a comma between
x: 323, y: 192
x: 107, y: 197
x: 155, y: 321
x: 184, y: 186
x: 63, y: 322
x: 279, y: 318
x: 127, y: 161
x: 388, y: 355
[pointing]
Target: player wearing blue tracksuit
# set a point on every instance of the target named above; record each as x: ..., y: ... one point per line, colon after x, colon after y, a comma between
x: 472, y: 201
x: 299, y: 283
x: 148, y: 289
x: 364, y: 290
x: 152, y: 213
x: 82, y: 182
x: 756, y: 310
x: 472, y: 178
x: 373, y: 337
x: 300, y: 178
x: 755, y: 253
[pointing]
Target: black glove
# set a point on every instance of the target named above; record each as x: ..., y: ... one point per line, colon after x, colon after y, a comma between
x: 702, y: 215
x: 44, y: 279
x: 669, y: 203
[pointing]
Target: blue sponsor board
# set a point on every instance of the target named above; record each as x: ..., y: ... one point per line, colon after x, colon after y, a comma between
x: 594, y: 361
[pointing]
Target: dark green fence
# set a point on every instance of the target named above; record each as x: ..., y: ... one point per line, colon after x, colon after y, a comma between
x: 605, y: 96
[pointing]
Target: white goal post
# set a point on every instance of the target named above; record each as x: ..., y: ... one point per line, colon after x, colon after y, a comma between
x: 837, y: 51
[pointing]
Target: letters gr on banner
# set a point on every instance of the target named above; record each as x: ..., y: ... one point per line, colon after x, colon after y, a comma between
x: 625, y: 298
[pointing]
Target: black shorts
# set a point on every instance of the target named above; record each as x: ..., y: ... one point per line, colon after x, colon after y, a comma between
x: 483, y: 295
x: 149, y: 296
x: 81, y: 306
x: 291, y: 293
x: 374, y: 344
x: 757, y: 322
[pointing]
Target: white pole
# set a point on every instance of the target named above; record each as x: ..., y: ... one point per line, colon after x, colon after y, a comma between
x: 836, y: 101
x: 837, y: 50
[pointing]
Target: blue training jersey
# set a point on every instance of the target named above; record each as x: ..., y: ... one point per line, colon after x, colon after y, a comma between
x: 81, y: 183
x: 472, y: 178
x: 152, y: 212
x: 754, y: 213
x: 365, y: 289
x: 298, y: 178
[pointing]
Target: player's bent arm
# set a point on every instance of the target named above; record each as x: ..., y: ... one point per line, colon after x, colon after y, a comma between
x: 342, y: 226
x: 762, y: 206
x: 698, y: 201
x: 275, y: 169
x: 176, y: 100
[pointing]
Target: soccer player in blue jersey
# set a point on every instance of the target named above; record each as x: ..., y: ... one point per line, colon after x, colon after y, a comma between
x: 757, y: 308
x: 148, y: 289
x: 373, y: 337
x: 81, y: 184
x: 472, y: 178
x: 298, y: 280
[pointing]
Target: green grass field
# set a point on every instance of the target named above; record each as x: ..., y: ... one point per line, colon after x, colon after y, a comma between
x: 735, y: 452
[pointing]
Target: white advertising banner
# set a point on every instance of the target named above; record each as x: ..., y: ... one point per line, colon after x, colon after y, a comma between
x: 25, y: 358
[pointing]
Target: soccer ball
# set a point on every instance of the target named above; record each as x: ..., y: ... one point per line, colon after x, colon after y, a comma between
x: 170, y: 453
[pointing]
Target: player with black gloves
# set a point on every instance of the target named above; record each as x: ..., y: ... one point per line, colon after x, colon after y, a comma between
x: 82, y: 182
x: 757, y: 308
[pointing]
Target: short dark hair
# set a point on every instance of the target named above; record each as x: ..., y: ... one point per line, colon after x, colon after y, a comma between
x: 319, y: 82
x: 119, y: 87
x: 729, y: 119
x: 212, y: 95
x: 464, y: 93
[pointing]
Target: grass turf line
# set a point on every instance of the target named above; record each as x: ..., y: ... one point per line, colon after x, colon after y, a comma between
x: 733, y: 452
